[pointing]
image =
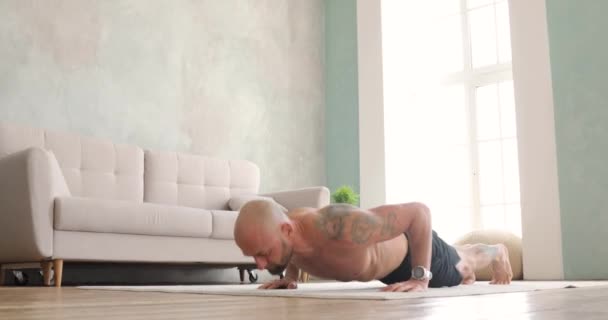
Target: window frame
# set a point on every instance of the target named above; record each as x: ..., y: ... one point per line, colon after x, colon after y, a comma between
x: 472, y: 78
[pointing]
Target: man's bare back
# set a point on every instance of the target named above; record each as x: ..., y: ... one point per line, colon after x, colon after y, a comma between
x: 346, y: 243
x: 330, y: 261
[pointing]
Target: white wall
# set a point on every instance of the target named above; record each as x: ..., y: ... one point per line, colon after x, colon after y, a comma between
x: 371, y: 104
x: 541, y: 226
x: 222, y: 78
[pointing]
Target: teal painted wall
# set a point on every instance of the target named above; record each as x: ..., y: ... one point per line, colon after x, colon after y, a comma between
x: 579, y: 65
x: 341, y: 96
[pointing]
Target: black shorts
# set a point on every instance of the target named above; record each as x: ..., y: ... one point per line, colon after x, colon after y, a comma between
x: 443, y: 266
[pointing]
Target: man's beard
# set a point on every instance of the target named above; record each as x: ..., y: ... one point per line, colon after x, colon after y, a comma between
x: 278, y: 269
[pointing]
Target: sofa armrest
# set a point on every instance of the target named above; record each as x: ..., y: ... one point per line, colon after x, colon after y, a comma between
x: 313, y: 197
x: 29, y: 183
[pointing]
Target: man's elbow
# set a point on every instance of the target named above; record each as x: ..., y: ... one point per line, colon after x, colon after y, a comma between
x: 422, y: 211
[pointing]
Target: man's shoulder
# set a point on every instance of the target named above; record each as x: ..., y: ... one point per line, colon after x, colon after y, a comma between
x: 299, y: 213
x: 303, y: 216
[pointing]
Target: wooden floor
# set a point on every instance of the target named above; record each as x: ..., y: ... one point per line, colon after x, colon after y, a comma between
x: 72, y: 303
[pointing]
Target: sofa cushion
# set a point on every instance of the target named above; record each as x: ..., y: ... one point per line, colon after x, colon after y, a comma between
x: 197, y: 181
x: 111, y: 216
x: 223, y: 224
x: 95, y: 246
x: 93, y: 168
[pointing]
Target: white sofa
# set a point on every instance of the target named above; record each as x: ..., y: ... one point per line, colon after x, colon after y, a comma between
x: 66, y: 197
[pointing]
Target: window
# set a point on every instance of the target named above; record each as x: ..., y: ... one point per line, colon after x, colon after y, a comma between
x: 450, y: 132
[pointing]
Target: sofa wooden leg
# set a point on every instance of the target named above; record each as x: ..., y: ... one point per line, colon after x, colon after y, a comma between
x: 2, y: 276
x: 58, y: 267
x: 46, y: 272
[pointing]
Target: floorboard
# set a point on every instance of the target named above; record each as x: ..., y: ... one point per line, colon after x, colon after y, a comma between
x: 73, y: 303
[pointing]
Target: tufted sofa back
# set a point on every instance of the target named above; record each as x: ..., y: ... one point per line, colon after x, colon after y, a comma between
x: 97, y: 168
x: 197, y: 181
x: 94, y: 168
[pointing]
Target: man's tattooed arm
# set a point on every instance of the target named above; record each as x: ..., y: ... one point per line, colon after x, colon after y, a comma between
x: 351, y: 225
x: 331, y: 220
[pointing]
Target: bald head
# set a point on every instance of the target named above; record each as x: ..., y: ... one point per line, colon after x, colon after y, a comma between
x: 259, y: 216
x: 262, y: 231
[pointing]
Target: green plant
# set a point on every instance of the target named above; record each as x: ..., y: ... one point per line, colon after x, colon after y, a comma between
x: 345, y: 194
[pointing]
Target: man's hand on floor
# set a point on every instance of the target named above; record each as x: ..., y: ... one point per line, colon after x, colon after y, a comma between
x: 409, y: 286
x: 280, y: 284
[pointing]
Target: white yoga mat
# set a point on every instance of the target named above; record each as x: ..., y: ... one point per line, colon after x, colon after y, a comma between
x: 358, y: 290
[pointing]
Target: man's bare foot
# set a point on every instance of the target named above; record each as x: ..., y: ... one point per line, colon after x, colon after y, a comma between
x: 501, y: 267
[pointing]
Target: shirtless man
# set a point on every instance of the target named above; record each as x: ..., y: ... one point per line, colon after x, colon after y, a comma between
x: 392, y: 243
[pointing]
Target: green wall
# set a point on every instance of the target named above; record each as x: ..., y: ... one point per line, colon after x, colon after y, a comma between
x: 579, y: 65
x: 341, y: 96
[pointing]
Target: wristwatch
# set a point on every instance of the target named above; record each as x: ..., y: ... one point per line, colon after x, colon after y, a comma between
x: 421, y: 273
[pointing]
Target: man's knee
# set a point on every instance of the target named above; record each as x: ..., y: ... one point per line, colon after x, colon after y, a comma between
x: 465, y: 268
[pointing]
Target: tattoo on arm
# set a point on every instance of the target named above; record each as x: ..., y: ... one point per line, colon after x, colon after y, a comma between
x: 389, y: 224
x: 363, y: 227
x: 348, y: 223
x: 332, y: 219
